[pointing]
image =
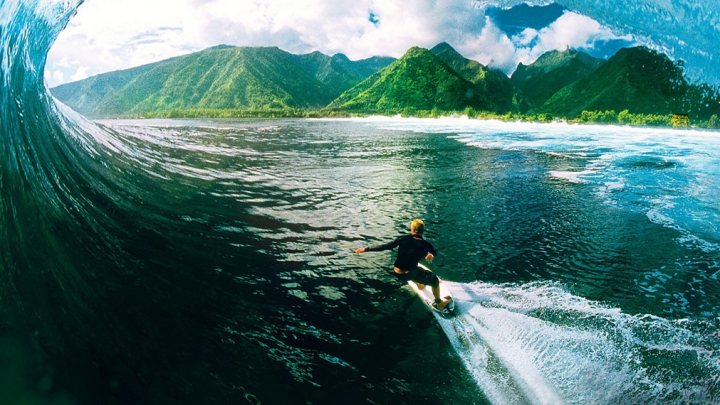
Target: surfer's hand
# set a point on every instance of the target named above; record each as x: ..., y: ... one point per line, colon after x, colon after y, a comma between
x: 360, y: 250
x: 429, y: 257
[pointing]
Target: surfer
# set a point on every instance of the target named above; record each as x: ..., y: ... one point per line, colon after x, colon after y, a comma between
x: 411, y: 249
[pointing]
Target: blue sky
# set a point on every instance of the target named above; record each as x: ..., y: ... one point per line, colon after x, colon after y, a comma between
x: 515, y: 20
x: 108, y: 35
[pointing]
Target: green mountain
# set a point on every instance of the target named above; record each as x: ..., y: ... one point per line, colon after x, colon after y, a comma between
x: 499, y: 91
x: 338, y: 72
x: 638, y: 79
x: 364, y: 67
x: 417, y: 81
x: 226, y: 80
x: 221, y: 77
x: 551, y: 72
x: 88, y: 96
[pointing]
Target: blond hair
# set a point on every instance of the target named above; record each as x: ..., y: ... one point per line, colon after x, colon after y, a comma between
x: 418, y: 225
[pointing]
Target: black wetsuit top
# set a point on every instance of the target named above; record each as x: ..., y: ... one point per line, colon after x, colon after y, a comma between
x: 410, y: 251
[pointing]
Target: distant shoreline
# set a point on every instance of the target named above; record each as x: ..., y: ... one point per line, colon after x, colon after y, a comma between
x: 587, y: 117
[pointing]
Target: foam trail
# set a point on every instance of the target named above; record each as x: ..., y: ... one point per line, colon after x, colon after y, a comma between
x: 537, y: 344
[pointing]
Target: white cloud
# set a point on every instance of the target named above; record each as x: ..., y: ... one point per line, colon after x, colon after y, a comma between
x: 491, y: 48
x: 54, y: 76
x: 81, y: 73
x: 108, y: 35
x: 337, y: 26
x: 526, y: 37
x: 63, y: 62
x: 573, y: 30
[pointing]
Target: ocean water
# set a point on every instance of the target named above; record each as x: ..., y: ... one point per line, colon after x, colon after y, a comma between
x: 211, y: 261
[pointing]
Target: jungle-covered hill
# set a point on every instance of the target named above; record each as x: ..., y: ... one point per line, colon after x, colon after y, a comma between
x: 267, y: 81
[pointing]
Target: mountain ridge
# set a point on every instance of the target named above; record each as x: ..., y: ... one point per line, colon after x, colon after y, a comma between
x: 551, y: 72
x: 498, y: 88
x: 419, y: 80
x: 422, y: 82
x: 635, y: 79
x: 220, y: 77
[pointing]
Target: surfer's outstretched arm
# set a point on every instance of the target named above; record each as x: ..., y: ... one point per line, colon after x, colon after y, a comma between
x: 378, y: 248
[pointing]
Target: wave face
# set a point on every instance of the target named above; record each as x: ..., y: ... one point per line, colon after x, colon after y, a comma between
x: 683, y: 29
x: 40, y: 150
x: 106, y: 288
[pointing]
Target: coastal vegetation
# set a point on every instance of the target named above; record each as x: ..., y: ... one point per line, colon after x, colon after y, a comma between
x: 587, y: 117
x: 636, y: 86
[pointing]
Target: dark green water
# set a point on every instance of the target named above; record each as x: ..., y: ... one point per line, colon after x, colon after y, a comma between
x: 228, y: 275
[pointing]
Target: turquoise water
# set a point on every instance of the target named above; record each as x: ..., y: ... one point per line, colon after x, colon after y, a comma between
x: 211, y: 261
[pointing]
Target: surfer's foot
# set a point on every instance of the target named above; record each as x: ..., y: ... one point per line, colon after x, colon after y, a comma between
x: 441, y: 304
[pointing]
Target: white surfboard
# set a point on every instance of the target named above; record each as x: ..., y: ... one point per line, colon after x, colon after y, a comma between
x: 428, y: 298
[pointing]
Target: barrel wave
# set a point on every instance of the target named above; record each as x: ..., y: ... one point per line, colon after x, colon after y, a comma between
x: 98, y: 268
x: 49, y: 176
x: 211, y: 261
x: 68, y: 219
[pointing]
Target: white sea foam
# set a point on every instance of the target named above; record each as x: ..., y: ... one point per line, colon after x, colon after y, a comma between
x: 573, y: 177
x: 538, y: 344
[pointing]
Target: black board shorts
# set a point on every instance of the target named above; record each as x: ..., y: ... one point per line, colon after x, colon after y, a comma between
x: 420, y: 276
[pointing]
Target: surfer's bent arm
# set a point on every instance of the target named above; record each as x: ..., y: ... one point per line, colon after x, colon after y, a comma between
x: 431, y: 254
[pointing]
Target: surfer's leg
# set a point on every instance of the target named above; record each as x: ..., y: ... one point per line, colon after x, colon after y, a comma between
x: 429, y: 278
x: 436, y: 292
x: 426, y: 277
x: 439, y: 302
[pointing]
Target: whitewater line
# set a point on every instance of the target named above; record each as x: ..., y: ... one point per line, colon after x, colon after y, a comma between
x: 503, y: 380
